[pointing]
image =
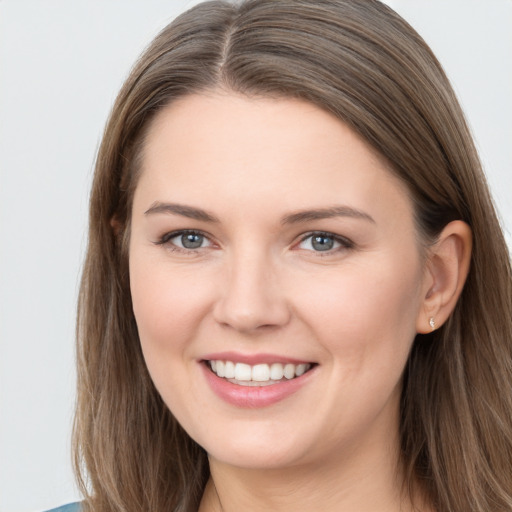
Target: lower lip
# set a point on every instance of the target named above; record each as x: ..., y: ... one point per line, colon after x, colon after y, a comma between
x: 253, y: 397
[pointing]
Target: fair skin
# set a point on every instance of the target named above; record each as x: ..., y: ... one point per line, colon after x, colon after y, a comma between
x: 299, y: 248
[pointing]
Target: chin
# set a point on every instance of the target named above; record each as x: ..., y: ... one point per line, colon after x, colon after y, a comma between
x: 256, y: 458
x: 264, y: 445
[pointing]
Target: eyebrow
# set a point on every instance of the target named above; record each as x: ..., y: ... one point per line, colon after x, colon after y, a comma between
x: 326, y: 213
x: 183, y: 210
x: 192, y: 212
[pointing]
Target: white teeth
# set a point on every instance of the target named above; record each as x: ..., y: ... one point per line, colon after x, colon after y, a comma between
x: 301, y: 369
x: 242, y: 371
x: 229, y: 370
x: 221, y: 367
x: 276, y: 371
x: 289, y: 371
x: 259, y: 373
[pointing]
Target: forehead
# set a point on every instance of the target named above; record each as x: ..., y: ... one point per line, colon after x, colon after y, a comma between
x: 217, y: 119
x: 240, y: 151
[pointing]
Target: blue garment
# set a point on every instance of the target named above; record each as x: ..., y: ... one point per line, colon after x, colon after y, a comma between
x: 71, y: 507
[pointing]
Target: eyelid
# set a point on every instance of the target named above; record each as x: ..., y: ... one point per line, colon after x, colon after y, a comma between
x: 344, y: 242
x: 165, y: 240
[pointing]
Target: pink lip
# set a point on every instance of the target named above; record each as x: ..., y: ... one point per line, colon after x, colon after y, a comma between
x: 253, y: 397
x: 251, y: 359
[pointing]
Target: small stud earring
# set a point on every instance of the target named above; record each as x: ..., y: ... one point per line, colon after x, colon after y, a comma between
x: 432, y: 323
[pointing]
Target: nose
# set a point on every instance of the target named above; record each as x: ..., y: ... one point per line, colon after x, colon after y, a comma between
x: 251, y: 298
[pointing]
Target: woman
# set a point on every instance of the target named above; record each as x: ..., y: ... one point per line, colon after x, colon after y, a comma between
x: 296, y: 295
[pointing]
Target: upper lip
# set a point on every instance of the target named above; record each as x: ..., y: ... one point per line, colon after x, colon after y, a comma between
x: 252, y: 359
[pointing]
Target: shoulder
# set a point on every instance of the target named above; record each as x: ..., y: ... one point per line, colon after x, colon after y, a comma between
x: 71, y: 507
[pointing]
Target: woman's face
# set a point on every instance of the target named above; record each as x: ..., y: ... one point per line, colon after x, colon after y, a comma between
x: 270, y: 242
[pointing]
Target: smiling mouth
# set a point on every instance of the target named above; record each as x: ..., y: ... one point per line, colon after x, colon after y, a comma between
x: 259, y: 374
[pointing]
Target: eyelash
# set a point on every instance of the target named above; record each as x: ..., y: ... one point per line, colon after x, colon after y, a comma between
x: 165, y: 240
x: 344, y: 243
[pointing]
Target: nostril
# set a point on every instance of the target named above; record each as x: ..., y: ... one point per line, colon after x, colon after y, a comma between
x: 257, y: 318
x: 250, y: 298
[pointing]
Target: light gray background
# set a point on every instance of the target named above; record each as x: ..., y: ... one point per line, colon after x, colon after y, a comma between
x: 61, y: 64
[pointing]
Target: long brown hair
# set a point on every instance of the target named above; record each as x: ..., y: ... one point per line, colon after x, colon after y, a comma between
x: 360, y: 61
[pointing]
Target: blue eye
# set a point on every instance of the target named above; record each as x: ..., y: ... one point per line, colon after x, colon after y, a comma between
x: 323, y: 242
x: 185, y: 240
x: 189, y: 240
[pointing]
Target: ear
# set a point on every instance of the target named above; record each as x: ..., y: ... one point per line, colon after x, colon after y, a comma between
x: 447, y: 267
x: 115, y: 224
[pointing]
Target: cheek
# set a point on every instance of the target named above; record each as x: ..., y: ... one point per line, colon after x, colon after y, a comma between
x: 167, y: 304
x: 366, y: 324
x: 366, y: 312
